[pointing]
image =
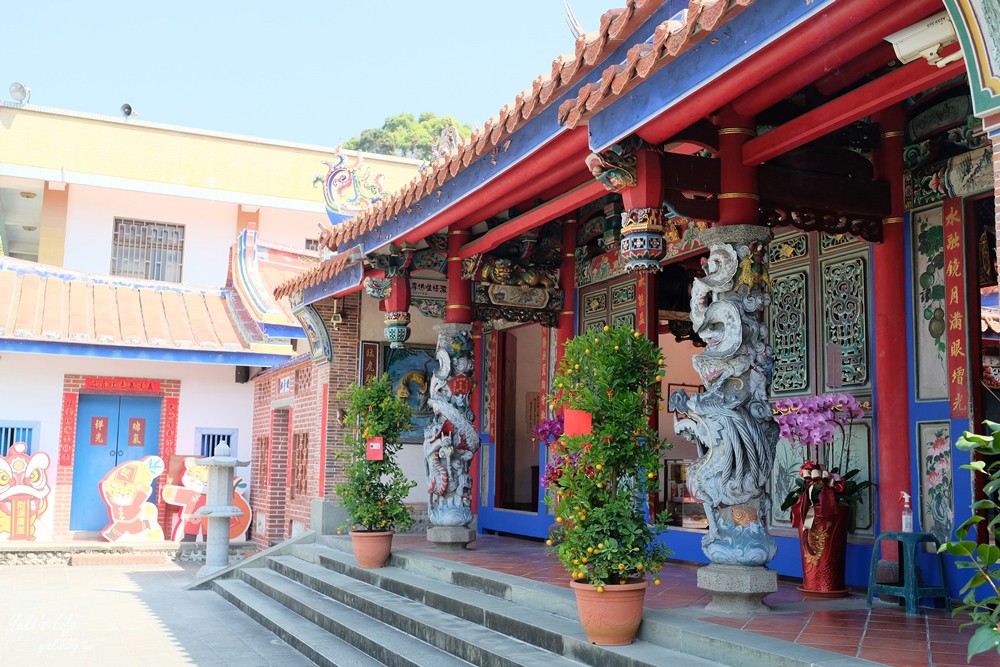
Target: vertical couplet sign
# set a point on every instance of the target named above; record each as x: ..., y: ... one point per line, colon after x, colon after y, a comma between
x: 954, y: 285
x: 369, y: 362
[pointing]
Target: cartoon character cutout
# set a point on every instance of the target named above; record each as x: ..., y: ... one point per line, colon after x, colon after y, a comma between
x: 191, y: 497
x: 125, y: 491
x: 24, y: 490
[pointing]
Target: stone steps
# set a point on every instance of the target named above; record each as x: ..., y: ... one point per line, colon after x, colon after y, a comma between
x: 426, y: 611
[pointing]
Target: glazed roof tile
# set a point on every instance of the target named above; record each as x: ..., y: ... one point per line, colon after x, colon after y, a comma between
x: 44, y: 303
x: 669, y: 40
x: 323, y: 272
x: 567, y: 70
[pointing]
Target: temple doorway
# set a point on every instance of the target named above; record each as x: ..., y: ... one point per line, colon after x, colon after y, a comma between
x: 519, y: 463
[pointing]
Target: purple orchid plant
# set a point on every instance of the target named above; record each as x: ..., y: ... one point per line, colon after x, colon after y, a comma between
x: 815, y: 423
x: 549, y: 430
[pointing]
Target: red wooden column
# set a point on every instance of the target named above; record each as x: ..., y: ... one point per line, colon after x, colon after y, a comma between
x: 459, y: 307
x: 891, y: 365
x: 738, y: 201
x: 646, y: 194
x: 567, y: 282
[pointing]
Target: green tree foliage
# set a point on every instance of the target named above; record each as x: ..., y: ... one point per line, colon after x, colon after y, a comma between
x: 602, y: 480
x: 981, y: 594
x: 374, y: 492
x: 406, y: 135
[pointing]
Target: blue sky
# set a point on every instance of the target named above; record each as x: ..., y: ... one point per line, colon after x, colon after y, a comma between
x: 311, y: 71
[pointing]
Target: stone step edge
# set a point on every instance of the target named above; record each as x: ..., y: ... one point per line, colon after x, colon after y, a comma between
x: 670, y: 629
x: 372, y: 636
x: 304, y: 637
x: 259, y: 559
x: 438, y: 628
x: 550, y: 632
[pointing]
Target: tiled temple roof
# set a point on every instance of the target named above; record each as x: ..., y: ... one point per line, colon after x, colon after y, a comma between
x: 670, y: 39
x: 44, y: 303
x: 323, y: 272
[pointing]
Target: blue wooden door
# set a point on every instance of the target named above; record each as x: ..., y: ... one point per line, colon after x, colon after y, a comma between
x: 110, y: 430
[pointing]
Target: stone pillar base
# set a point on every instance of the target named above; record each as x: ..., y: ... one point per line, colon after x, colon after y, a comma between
x: 451, y: 538
x: 326, y: 516
x: 737, y: 589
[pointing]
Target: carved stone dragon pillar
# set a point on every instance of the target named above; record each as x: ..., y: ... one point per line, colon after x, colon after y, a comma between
x: 451, y: 439
x: 731, y: 421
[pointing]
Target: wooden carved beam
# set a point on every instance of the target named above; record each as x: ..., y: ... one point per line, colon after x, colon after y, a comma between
x: 550, y: 210
x: 894, y: 87
x: 789, y: 188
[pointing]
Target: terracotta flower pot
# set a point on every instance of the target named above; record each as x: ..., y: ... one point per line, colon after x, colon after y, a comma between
x: 610, y: 618
x: 372, y: 548
x: 824, y: 554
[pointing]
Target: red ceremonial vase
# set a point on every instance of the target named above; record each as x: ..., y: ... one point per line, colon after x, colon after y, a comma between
x: 824, y: 553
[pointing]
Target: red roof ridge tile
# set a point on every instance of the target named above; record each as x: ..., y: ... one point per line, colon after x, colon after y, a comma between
x: 615, y: 26
x: 669, y: 39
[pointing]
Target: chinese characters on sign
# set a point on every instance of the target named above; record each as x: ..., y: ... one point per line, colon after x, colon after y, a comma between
x: 136, y: 432
x: 285, y: 384
x: 369, y: 362
x: 954, y: 284
x: 99, y: 431
x: 122, y: 384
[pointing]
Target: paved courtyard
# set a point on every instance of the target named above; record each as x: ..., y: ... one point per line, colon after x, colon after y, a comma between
x: 106, y: 616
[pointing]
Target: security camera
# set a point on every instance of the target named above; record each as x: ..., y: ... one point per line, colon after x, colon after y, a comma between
x: 924, y: 40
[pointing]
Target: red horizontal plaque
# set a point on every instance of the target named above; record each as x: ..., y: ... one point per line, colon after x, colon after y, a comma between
x: 122, y: 384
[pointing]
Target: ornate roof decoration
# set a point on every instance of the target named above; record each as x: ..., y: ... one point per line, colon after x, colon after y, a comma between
x: 349, y: 187
x: 670, y: 39
x: 325, y: 271
x: 567, y: 70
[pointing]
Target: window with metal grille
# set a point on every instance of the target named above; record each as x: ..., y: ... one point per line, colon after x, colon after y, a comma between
x: 300, y: 464
x: 312, y: 244
x: 210, y: 438
x: 144, y: 249
x: 17, y: 431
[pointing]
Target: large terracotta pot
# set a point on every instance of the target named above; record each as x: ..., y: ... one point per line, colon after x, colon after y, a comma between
x: 610, y: 618
x: 372, y: 548
x: 824, y: 554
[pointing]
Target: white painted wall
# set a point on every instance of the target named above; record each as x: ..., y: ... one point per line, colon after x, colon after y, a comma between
x: 373, y: 324
x: 209, y: 230
x: 678, y: 370
x: 421, y: 333
x: 529, y: 373
x: 290, y: 228
x: 32, y: 390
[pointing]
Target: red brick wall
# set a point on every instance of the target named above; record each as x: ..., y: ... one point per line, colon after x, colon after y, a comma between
x: 271, y: 471
x: 73, y: 386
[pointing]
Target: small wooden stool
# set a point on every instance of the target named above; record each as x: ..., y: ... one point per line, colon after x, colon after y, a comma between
x: 909, y: 588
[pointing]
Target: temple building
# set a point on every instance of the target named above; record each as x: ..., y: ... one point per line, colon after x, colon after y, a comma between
x: 137, y: 269
x: 792, y: 199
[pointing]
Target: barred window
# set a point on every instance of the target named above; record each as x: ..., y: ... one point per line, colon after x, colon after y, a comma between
x: 209, y: 439
x: 151, y: 250
x: 17, y: 431
x: 300, y: 464
x: 312, y: 244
